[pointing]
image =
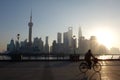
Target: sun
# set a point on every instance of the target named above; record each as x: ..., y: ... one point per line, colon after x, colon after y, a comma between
x: 104, y: 37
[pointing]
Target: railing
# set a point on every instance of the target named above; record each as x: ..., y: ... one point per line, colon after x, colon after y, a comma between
x: 54, y: 57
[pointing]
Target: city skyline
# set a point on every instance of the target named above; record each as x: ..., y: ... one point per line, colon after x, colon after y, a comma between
x: 50, y: 17
x: 66, y: 43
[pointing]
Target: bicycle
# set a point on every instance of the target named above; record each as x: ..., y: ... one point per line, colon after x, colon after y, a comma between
x: 83, y: 67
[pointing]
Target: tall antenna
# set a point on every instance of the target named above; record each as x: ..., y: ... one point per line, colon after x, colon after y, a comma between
x: 30, y: 24
x: 31, y: 16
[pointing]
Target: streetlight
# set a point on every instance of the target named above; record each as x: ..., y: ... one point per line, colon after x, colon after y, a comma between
x: 17, y: 42
x: 18, y: 37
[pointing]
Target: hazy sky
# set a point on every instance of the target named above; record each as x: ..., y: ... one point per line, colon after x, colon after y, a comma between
x: 52, y: 16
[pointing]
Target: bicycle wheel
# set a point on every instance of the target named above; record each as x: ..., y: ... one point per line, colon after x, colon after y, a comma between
x: 83, y: 67
x: 97, y: 67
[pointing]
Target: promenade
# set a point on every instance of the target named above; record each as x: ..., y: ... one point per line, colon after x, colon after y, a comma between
x: 57, y: 70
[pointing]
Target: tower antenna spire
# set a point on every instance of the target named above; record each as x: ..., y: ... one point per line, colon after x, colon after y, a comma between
x: 30, y: 24
x: 31, y: 16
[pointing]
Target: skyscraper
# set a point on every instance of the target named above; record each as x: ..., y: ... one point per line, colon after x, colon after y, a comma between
x: 30, y: 24
x: 11, y: 46
x: 82, y: 42
x: 46, y: 45
x: 79, y: 33
x: 59, y: 38
x: 65, y: 39
x: 80, y: 38
x: 70, y: 36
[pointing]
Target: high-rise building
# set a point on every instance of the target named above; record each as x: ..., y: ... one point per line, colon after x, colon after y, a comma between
x: 79, y: 32
x: 70, y: 36
x: 54, y: 47
x: 41, y: 45
x: 46, y: 40
x: 59, y: 38
x: 38, y: 44
x: 11, y: 46
x: 17, y: 45
x: 74, y: 44
x: 46, y: 45
x: 23, y: 43
x: 30, y: 24
x: 65, y: 39
x: 80, y: 39
x: 83, y: 44
x: 93, y: 44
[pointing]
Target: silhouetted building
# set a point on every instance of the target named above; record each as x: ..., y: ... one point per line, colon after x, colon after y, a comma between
x: 57, y: 47
x: 24, y: 43
x: 74, y: 46
x: 17, y: 45
x: 79, y: 33
x: 59, y: 37
x: 38, y: 44
x: 41, y: 45
x: 46, y: 45
x: 70, y: 36
x: 93, y: 44
x: 11, y: 46
x: 69, y: 44
x: 54, y: 47
x: 60, y: 48
x: 65, y: 39
x: 83, y: 44
x: 24, y: 46
x: 30, y: 24
x: 65, y: 42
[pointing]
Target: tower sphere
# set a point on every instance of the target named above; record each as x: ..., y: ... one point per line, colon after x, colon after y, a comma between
x: 30, y: 24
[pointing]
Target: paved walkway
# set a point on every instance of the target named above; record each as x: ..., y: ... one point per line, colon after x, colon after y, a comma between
x: 56, y: 71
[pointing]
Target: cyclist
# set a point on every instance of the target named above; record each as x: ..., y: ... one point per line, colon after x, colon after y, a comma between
x: 88, y: 57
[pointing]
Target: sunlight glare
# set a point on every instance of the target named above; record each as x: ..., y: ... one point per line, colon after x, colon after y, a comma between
x: 105, y: 37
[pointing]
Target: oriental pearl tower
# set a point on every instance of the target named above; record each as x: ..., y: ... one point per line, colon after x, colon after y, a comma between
x: 30, y: 24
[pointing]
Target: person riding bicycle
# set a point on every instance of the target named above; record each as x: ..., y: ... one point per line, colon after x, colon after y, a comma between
x: 88, y: 57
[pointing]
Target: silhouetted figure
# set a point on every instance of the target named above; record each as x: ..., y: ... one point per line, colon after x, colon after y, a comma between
x: 88, y: 57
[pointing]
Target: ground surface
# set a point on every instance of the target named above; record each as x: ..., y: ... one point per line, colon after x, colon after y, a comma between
x: 56, y: 70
